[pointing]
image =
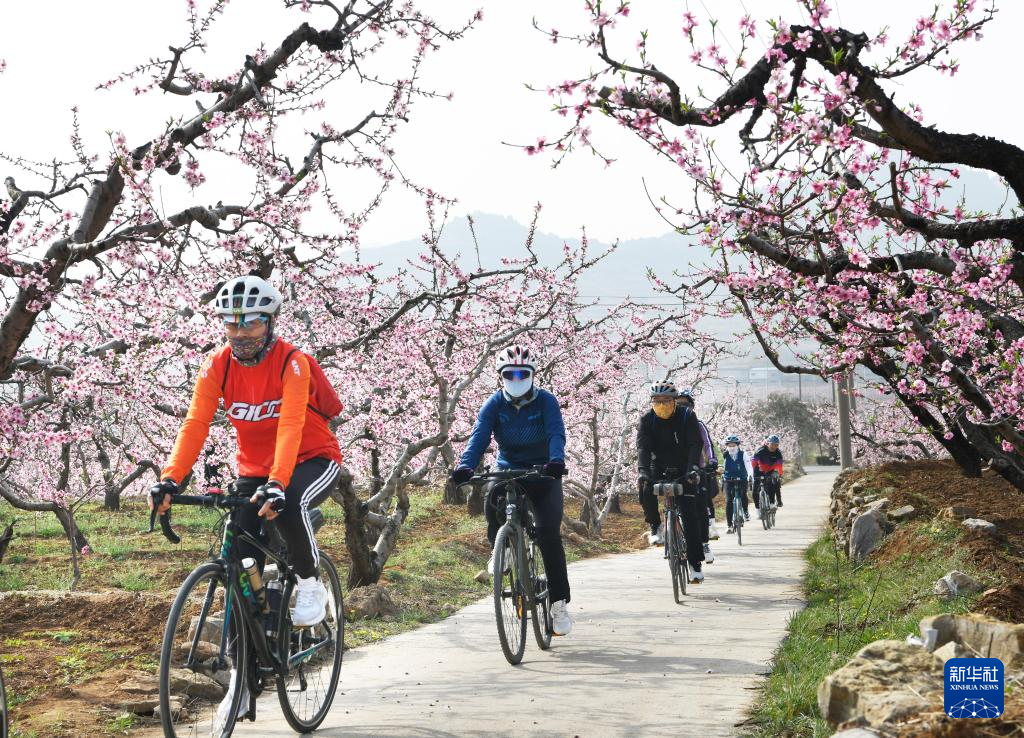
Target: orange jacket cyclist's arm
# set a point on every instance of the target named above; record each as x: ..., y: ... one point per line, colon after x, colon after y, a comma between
x: 196, y: 427
x: 294, y: 401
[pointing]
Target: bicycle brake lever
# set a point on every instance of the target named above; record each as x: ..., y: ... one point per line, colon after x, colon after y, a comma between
x: 165, y: 526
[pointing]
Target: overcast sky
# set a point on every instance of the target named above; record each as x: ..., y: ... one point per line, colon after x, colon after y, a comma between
x: 58, y: 50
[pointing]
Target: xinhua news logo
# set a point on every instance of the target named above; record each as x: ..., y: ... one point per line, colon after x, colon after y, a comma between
x: 974, y: 688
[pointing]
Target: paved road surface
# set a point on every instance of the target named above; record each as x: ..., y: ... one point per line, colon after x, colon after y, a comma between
x: 636, y: 664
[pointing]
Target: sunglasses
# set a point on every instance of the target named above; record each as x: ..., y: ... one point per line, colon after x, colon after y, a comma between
x: 516, y: 375
x: 245, y: 321
x: 663, y: 401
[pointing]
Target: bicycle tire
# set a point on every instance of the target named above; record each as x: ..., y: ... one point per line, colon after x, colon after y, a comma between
x: 737, y: 520
x: 540, y: 610
x: 679, y: 562
x: 509, y: 603
x: 3, y: 707
x: 331, y: 627
x: 766, y: 510
x: 174, y: 718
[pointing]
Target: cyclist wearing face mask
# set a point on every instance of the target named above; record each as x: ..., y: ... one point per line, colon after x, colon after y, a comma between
x: 767, y: 459
x: 669, y: 445
x: 526, y: 422
x: 279, y: 401
x: 737, y: 468
x: 709, y: 463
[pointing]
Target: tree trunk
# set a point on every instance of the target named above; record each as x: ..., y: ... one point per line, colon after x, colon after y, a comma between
x: 362, y: 569
x: 112, y: 498
x: 615, y: 504
x: 72, y: 532
x: 475, y: 501
x: 452, y: 494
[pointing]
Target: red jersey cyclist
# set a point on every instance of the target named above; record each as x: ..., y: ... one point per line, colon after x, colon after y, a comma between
x: 278, y: 401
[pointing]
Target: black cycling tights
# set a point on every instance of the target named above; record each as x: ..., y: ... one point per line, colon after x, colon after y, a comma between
x: 311, y: 483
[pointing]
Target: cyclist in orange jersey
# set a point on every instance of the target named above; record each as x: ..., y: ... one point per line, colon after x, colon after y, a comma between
x: 279, y: 403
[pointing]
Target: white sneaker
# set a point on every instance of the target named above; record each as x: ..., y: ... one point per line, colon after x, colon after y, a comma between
x: 490, y: 565
x: 561, y: 621
x: 709, y: 558
x: 746, y: 516
x: 696, y: 577
x: 731, y: 530
x: 310, y: 602
x: 712, y: 530
x: 656, y: 539
x: 220, y: 721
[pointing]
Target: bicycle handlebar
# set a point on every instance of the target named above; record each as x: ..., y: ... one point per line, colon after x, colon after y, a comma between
x: 211, y: 500
x: 509, y: 474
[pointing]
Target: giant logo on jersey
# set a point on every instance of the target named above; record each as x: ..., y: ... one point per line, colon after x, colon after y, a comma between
x: 255, y: 413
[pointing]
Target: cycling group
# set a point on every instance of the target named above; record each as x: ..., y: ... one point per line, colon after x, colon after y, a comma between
x: 279, y: 402
x: 676, y: 458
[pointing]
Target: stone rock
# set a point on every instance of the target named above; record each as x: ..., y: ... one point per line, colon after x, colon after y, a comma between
x: 981, y: 635
x: 195, y: 684
x: 855, y: 733
x: 857, y: 501
x: 979, y: 525
x: 885, y: 681
x: 952, y: 650
x: 866, y: 533
x: 482, y: 576
x: 955, y: 583
x: 204, y: 650
x: 371, y: 601
x: 856, y: 488
x: 956, y: 512
x: 212, y: 629
x: 176, y: 709
x: 882, y: 504
x: 902, y: 513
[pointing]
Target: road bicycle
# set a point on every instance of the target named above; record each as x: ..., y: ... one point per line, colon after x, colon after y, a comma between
x: 520, y: 582
x: 675, y: 537
x: 766, y: 509
x: 229, y: 634
x: 734, y: 497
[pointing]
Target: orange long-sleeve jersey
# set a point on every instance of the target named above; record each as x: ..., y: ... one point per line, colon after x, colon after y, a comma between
x: 268, y: 405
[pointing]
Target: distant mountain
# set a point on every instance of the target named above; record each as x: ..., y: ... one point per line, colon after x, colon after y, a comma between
x: 622, y: 273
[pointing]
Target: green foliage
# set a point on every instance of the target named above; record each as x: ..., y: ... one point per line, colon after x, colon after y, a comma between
x: 786, y: 414
x: 848, y: 606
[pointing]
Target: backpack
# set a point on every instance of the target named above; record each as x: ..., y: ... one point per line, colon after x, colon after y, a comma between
x: 323, y: 400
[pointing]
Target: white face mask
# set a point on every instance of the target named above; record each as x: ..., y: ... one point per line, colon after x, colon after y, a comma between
x: 733, y: 450
x: 516, y: 388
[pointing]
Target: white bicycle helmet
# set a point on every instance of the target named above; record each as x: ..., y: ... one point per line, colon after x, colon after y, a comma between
x: 245, y: 298
x: 515, y: 356
x: 663, y: 389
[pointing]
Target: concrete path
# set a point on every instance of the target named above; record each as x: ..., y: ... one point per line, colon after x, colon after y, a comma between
x: 636, y: 664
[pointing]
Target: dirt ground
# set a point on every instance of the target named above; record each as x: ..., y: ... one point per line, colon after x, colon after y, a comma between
x: 931, y: 486
x: 66, y: 656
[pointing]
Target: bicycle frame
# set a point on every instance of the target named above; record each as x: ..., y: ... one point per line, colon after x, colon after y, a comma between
x: 514, y: 496
x: 238, y: 586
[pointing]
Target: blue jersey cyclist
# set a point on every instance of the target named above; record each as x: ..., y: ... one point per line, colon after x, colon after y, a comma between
x: 738, y: 473
x: 526, y: 422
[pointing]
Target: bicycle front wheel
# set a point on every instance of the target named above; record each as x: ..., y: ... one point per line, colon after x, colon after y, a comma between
x: 540, y: 610
x: 509, y: 595
x: 737, y: 520
x: 3, y: 707
x: 313, y: 656
x: 204, y: 657
x: 766, y: 511
x: 677, y: 557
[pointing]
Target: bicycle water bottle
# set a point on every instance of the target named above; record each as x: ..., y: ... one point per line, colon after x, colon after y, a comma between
x: 255, y: 583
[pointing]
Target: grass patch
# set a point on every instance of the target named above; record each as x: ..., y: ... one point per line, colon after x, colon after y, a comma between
x: 848, y: 606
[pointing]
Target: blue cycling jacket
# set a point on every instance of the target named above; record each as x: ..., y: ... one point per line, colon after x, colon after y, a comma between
x: 528, y: 435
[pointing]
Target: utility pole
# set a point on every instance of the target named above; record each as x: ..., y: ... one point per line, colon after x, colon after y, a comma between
x: 842, y: 391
